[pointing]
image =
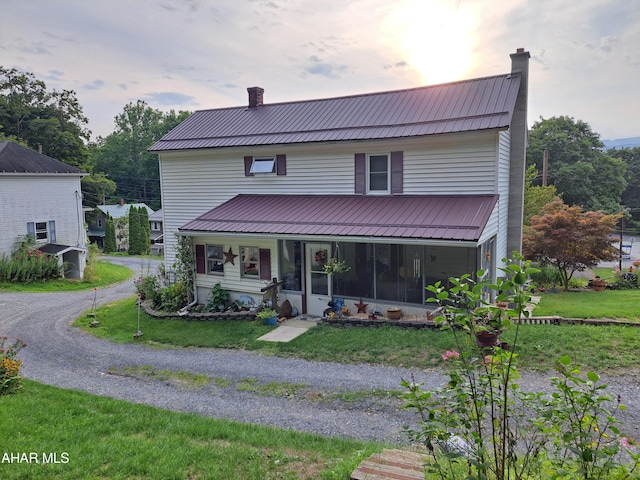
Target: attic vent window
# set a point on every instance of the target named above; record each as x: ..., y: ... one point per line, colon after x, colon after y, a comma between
x: 263, y: 165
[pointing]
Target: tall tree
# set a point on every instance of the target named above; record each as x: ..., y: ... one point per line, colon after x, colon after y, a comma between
x: 52, y: 119
x: 535, y: 196
x: 123, y: 154
x: 569, y: 238
x: 136, y: 232
x: 110, y: 245
x: 581, y: 171
x: 631, y: 158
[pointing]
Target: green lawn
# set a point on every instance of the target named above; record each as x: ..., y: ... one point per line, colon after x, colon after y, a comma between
x: 614, y: 304
x: 97, y: 437
x: 602, y: 348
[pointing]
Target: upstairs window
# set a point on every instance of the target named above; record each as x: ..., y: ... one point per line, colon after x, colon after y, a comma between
x: 378, y: 173
x: 263, y: 165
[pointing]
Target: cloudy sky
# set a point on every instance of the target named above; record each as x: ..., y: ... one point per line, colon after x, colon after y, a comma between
x: 200, y: 54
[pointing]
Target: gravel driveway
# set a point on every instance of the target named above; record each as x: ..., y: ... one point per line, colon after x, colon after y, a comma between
x: 60, y: 355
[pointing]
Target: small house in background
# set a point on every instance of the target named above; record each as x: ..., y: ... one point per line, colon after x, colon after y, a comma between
x: 41, y: 197
x: 407, y: 187
x: 156, y: 220
x: 120, y: 214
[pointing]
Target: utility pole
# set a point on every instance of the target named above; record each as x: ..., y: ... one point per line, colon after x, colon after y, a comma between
x: 545, y: 159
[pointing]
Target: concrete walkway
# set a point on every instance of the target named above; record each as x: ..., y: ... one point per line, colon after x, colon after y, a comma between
x: 290, y: 329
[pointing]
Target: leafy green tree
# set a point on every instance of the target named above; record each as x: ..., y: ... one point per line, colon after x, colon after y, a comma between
x: 535, y: 196
x: 581, y: 171
x: 569, y: 238
x: 631, y: 158
x: 110, y: 245
x: 123, y: 154
x: 36, y: 116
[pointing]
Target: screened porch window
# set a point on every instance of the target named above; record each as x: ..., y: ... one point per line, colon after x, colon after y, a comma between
x: 398, y: 273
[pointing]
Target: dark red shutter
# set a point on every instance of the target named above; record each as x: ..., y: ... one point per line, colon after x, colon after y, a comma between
x: 397, y: 160
x: 360, y: 174
x: 281, y: 164
x: 201, y: 259
x: 247, y: 166
x: 265, y: 264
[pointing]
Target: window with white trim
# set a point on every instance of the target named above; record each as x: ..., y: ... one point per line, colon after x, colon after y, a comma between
x: 215, y: 260
x: 42, y: 232
x: 250, y: 262
x: 378, y: 173
x: 263, y: 165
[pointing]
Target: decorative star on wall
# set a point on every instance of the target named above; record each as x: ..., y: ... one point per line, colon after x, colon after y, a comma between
x: 362, y: 307
x: 229, y: 256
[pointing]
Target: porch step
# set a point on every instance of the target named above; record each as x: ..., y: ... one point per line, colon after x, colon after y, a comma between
x: 391, y: 465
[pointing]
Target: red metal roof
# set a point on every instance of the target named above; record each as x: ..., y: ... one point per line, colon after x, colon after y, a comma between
x: 437, y: 217
x: 477, y: 104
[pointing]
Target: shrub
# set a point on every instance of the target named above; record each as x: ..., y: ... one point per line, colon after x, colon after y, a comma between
x: 546, y: 276
x: 9, y: 366
x: 28, y: 264
x: 624, y: 280
x: 481, y: 425
x: 172, y: 298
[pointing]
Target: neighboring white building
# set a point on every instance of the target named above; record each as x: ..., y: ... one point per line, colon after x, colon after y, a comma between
x: 41, y: 196
x: 408, y: 187
x: 156, y: 220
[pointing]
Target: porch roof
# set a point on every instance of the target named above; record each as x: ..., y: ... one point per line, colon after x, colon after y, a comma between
x: 434, y: 217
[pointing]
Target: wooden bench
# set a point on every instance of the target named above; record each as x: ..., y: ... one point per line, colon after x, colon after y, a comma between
x: 391, y: 465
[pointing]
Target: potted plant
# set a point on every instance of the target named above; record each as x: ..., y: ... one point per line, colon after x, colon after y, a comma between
x: 336, y: 265
x: 488, y: 322
x: 268, y: 316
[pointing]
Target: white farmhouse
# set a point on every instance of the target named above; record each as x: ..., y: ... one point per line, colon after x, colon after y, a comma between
x: 407, y: 187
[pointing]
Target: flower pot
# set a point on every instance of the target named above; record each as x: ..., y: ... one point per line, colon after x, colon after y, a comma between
x: 598, y: 284
x: 487, y: 339
x: 394, y: 313
x: 271, y: 321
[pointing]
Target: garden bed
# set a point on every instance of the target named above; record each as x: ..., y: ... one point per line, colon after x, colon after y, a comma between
x: 200, y: 316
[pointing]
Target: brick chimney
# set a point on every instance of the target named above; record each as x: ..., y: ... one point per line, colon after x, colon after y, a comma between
x: 256, y: 95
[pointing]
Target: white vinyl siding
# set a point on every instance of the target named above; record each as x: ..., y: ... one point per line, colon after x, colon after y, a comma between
x: 41, y: 198
x: 233, y: 280
x: 194, y: 182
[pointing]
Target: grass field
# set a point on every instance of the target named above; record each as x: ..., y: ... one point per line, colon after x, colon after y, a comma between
x: 85, y: 436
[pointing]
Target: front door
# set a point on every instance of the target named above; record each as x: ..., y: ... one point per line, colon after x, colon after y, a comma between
x: 318, y: 283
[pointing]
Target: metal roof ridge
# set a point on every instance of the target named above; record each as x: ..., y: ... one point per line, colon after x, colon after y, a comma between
x: 338, y: 129
x: 368, y: 94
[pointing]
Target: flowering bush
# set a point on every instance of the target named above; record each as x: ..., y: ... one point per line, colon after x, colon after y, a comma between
x: 481, y: 425
x: 9, y: 366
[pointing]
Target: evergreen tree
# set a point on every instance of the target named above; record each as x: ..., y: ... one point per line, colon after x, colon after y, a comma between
x: 146, y: 230
x: 110, y: 236
x: 136, y: 232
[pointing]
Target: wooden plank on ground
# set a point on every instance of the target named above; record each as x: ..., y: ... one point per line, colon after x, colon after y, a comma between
x: 391, y: 465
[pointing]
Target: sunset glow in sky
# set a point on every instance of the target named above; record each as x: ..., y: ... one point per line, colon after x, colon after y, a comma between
x: 200, y: 54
